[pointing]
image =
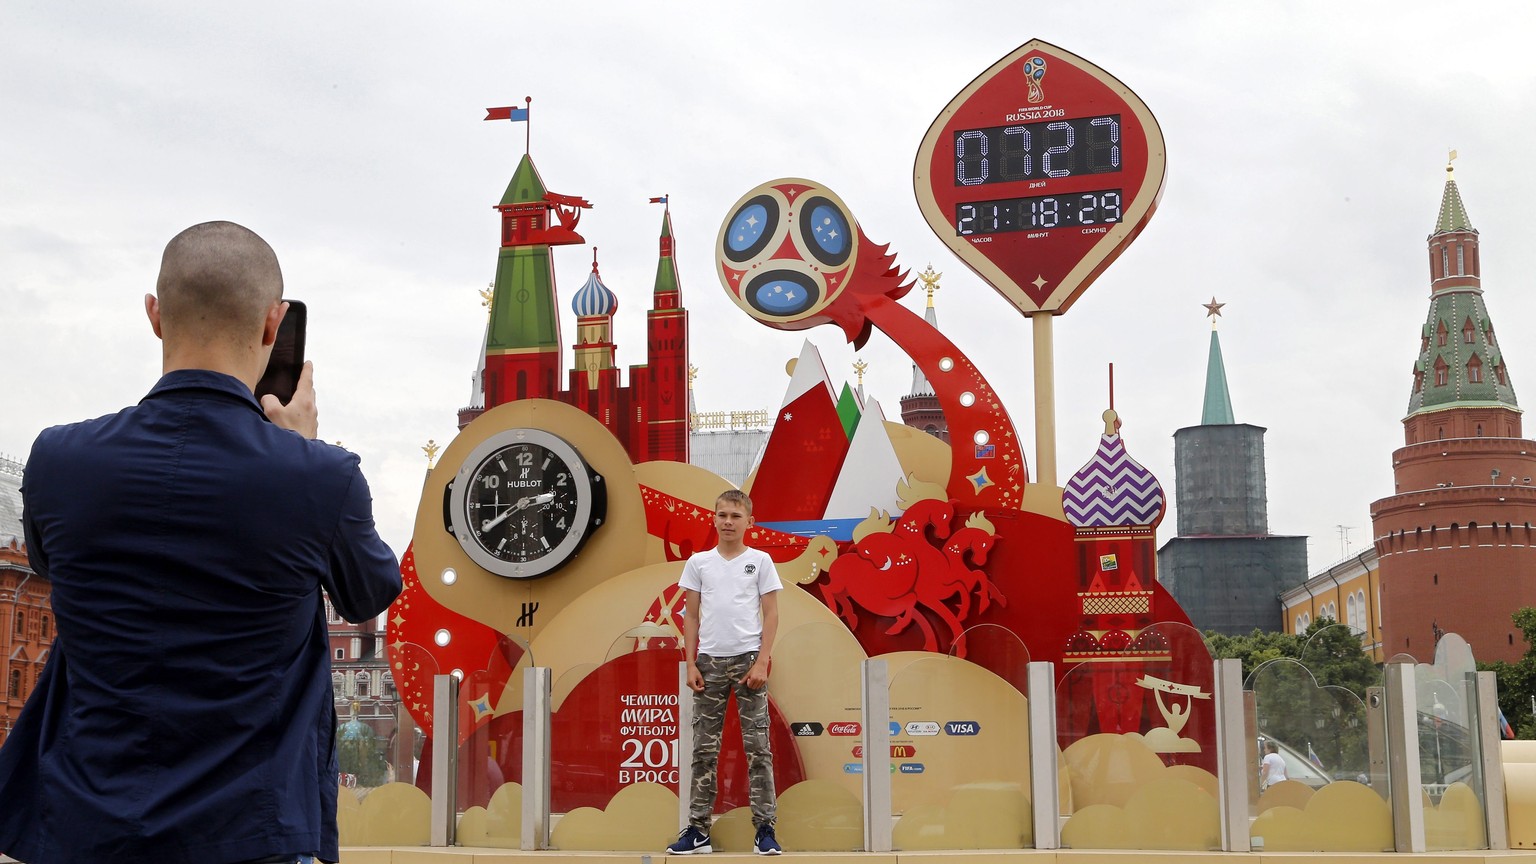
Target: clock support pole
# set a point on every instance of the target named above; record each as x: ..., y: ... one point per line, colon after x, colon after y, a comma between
x: 1045, y: 399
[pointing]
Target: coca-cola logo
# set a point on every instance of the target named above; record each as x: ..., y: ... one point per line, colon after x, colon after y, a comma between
x: 843, y: 729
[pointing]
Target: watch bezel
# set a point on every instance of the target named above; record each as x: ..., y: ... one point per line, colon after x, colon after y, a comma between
x: 586, y: 485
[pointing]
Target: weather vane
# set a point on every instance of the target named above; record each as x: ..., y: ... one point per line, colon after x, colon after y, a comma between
x: 858, y: 369
x: 431, y: 451
x: 930, y: 282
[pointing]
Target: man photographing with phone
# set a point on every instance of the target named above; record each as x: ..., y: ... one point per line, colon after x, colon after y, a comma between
x: 185, y: 713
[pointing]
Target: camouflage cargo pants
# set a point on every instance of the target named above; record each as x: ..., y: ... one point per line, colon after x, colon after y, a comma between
x: 722, y: 675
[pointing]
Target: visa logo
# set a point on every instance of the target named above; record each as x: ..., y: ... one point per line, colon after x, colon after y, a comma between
x: 962, y: 727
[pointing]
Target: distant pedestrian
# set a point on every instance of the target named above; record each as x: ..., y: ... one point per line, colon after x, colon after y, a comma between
x: 1271, y: 767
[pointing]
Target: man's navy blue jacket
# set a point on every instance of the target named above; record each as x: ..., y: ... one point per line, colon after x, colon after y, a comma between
x: 185, y: 711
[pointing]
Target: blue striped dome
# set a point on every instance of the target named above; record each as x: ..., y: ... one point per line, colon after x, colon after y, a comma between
x: 594, y: 298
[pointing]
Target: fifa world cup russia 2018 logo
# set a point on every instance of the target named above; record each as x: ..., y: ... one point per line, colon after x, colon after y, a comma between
x: 1034, y: 74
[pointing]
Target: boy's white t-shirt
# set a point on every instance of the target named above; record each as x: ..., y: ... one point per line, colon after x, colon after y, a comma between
x: 730, y: 611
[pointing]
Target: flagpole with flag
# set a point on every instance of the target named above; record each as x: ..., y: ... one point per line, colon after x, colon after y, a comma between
x: 516, y: 115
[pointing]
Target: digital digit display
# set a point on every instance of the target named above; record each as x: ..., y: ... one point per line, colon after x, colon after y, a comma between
x: 1039, y: 213
x: 1035, y: 151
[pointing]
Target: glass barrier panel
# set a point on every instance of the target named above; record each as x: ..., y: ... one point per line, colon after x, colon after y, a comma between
x: 1448, y: 748
x: 960, y: 745
x: 378, y: 747
x: 613, y: 742
x: 1312, y: 781
x: 489, y: 757
x: 815, y: 686
x: 1137, y: 727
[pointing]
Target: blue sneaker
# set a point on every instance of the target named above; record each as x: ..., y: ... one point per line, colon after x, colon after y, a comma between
x: 690, y: 841
x: 766, y: 843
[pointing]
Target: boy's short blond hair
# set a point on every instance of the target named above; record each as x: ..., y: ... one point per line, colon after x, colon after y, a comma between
x: 735, y: 496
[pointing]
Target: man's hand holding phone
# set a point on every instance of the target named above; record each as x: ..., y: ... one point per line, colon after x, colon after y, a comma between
x: 300, y: 414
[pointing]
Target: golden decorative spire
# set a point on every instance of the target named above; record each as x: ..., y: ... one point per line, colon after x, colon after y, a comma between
x: 930, y: 282
x: 431, y: 451
x: 693, y: 372
x: 486, y: 294
x: 858, y: 369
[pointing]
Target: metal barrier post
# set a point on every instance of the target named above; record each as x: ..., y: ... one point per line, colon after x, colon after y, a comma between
x: 1043, y: 775
x: 874, y: 679
x: 536, y: 758
x: 445, y: 758
x: 1403, y: 772
x: 1232, y: 765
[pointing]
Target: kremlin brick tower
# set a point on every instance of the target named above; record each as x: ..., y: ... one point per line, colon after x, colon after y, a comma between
x: 920, y: 408
x: 522, y: 350
x: 1454, y: 539
x: 1225, y: 568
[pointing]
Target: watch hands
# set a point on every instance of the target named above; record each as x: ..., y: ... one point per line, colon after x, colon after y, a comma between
x: 522, y: 504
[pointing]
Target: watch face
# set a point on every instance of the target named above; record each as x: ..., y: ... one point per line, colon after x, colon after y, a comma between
x: 523, y: 503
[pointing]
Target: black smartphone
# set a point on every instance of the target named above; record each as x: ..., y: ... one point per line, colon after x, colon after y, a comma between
x: 287, y: 361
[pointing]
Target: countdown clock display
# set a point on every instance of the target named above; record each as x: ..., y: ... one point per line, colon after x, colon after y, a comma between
x: 523, y: 503
x: 1039, y: 173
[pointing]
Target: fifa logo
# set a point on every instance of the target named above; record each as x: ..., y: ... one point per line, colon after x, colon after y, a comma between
x: 1034, y: 74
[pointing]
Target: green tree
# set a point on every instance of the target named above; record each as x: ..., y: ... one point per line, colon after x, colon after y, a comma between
x: 1328, y: 649
x: 1517, y: 680
x: 1301, y: 685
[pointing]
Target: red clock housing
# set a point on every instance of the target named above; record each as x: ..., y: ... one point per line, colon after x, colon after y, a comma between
x: 1039, y: 173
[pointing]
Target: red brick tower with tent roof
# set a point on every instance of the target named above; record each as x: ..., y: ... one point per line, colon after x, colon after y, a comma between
x: 1458, y: 554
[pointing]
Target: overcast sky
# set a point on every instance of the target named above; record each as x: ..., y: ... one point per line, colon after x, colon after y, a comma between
x: 1306, y: 152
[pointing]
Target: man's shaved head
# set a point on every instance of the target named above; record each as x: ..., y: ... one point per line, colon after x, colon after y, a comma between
x: 217, y: 279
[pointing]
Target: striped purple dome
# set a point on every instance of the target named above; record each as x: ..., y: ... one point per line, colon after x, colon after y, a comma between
x: 1112, y: 490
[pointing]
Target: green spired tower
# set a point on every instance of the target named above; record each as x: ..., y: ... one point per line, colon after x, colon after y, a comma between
x: 1224, y: 567
x: 522, y: 345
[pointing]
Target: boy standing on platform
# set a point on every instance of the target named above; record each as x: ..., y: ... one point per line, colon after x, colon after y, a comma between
x: 729, y: 624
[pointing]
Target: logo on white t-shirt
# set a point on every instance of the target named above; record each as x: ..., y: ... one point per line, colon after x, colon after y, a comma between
x: 750, y: 569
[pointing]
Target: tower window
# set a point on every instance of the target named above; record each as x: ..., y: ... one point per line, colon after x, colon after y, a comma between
x: 1489, y: 333
x: 1445, y: 262
x: 1442, y: 372
x: 1475, y: 370
x: 1461, y: 260
x: 1442, y: 334
x: 1468, y: 332
x: 1498, y: 372
x: 1418, y: 380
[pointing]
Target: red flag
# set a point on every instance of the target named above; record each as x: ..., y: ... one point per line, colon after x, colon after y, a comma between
x: 508, y: 113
